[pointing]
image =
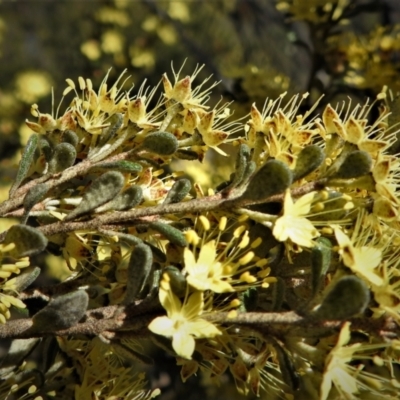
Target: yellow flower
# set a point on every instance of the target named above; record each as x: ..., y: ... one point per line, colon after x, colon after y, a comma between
x: 183, y: 322
x: 345, y: 369
x: 206, y: 273
x: 362, y: 260
x: 292, y: 224
x: 336, y: 371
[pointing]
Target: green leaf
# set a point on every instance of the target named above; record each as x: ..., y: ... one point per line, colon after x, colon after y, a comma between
x: 320, y: 262
x: 162, y: 143
x: 139, y: 271
x: 186, y: 154
x: 128, y: 199
x: 24, y: 279
x: 45, y: 148
x: 28, y: 240
x: 34, y: 195
x: 122, y: 166
x: 174, y: 235
x: 17, y: 353
x: 273, y: 177
x: 308, y: 160
x: 61, y: 312
x: 70, y: 137
x: 64, y: 156
x: 102, y: 190
x: 249, y: 300
x: 242, y: 160
x: 178, y: 191
x: 177, y: 280
x: 345, y: 298
x: 25, y: 163
x: 116, y: 121
x: 356, y: 164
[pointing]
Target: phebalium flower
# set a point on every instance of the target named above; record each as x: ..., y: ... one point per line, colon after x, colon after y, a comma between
x: 223, y: 266
x: 183, y: 322
x: 292, y: 224
x: 363, y: 260
x: 206, y: 273
x: 344, y: 369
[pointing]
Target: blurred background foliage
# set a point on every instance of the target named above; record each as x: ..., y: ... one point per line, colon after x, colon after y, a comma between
x: 256, y: 48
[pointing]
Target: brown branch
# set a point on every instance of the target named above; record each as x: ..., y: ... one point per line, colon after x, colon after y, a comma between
x: 56, y: 180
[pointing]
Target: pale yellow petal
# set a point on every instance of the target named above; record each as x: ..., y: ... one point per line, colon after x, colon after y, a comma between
x: 190, y: 261
x: 183, y: 344
x: 207, y: 253
x: 162, y: 326
x: 203, y: 329
x: 194, y: 306
x: 303, y: 204
x: 198, y: 281
x: 220, y: 286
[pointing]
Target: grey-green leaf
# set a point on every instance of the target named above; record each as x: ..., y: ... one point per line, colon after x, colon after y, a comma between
x: 308, y: 160
x: 320, y: 262
x: 139, y: 270
x: 184, y: 154
x: 102, y: 190
x: 174, y: 235
x: 62, y: 312
x: 116, y: 121
x: 177, y: 280
x: 162, y: 143
x: 178, y: 191
x: 17, y: 353
x: 45, y: 148
x: 25, y: 163
x: 34, y: 195
x: 272, y: 178
x: 129, y: 198
x: 25, y: 278
x: 70, y: 137
x: 356, y: 164
x: 28, y: 240
x: 122, y: 165
x: 345, y: 298
x: 64, y: 156
x: 242, y: 160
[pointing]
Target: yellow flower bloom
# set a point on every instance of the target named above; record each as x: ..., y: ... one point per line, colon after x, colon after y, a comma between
x: 292, y: 224
x: 183, y: 322
x: 336, y: 371
x: 362, y: 260
x: 206, y: 273
x: 345, y: 369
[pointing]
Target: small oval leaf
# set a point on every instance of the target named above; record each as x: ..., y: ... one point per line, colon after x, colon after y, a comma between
x: 174, y: 235
x: 178, y: 191
x: 26, y: 162
x: 62, y: 312
x: 162, y: 143
x: 139, y: 270
x: 308, y: 160
x: 27, y: 239
x: 356, y: 164
x: 272, y: 178
x: 344, y: 299
x: 102, y: 190
x: 64, y: 155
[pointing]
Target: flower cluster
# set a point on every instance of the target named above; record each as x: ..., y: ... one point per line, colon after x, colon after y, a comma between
x: 306, y: 224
